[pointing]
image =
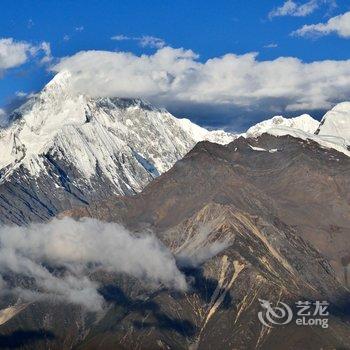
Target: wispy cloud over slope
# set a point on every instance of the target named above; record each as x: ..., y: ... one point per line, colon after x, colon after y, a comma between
x: 77, y: 248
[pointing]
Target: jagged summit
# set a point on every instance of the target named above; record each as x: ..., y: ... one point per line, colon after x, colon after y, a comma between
x: 79, y: 148
x: 61, y: 80
x: 48, y: 119
x: 95, y: 146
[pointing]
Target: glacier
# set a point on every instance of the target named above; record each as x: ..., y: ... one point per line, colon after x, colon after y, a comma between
x: 61, y: 149
x: 127, y: 139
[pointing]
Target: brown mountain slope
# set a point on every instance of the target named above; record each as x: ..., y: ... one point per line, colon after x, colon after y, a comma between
x: 296, y: 181
x: 243, y: 224
x: 258, y: 260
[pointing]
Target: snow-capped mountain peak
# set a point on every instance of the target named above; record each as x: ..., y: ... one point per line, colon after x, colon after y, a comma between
x: 332, y: 132
x: 336, y: 122
x: 127, y: 140
x: 303, y: 122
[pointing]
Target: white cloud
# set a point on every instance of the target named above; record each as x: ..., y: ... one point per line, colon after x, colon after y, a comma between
x: 15, y: 53
x: 176, y: 77
x: 339, y: 25
x: 66, y: 37
x: 144, y: 41
x: 79, y: 29
x: 293, y: 8
x: 151, y: 41
x: 121, y: 37
x: 21, y: 94
x: 80, y: 248
x: 46, y: 48
x: 271, y: 46
x: 199, y: 251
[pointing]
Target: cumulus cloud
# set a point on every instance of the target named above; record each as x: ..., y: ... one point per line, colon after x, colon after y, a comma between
x: 175, y: 77
x: 15, y: 53
x: 144, y: 41
x: 292, y: 8
x: 61, y: 255
x: 339, y: 25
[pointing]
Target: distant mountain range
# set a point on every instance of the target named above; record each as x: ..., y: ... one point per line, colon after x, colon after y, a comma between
x: 60, y: 150
x: 247, y: 218
x: 263, y: 218
x: 277, y: 206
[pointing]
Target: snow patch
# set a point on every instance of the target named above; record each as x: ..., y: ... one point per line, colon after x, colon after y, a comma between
x: 258, y: 149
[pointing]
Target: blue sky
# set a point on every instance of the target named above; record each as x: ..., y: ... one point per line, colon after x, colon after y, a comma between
x: 210, y: 29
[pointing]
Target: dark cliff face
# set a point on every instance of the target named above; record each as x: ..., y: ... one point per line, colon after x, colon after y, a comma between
x: 257, y: 219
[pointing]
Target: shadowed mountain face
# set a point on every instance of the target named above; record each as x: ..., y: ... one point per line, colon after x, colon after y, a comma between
x: 304, y: 186
x: 261, y: 218
x: 255, y: 216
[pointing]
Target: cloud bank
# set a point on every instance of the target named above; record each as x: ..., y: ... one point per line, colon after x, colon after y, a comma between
x: 175, y: 77
x: 15, y: 53
x: 339, y: 25
x: 61, y: 255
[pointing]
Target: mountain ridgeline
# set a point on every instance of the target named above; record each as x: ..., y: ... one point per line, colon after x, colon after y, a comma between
x: 260, y: 216
x: 60, y: 150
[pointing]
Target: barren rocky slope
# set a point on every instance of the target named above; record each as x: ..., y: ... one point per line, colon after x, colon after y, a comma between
x: 297, y: 181
x: 244, y: 222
